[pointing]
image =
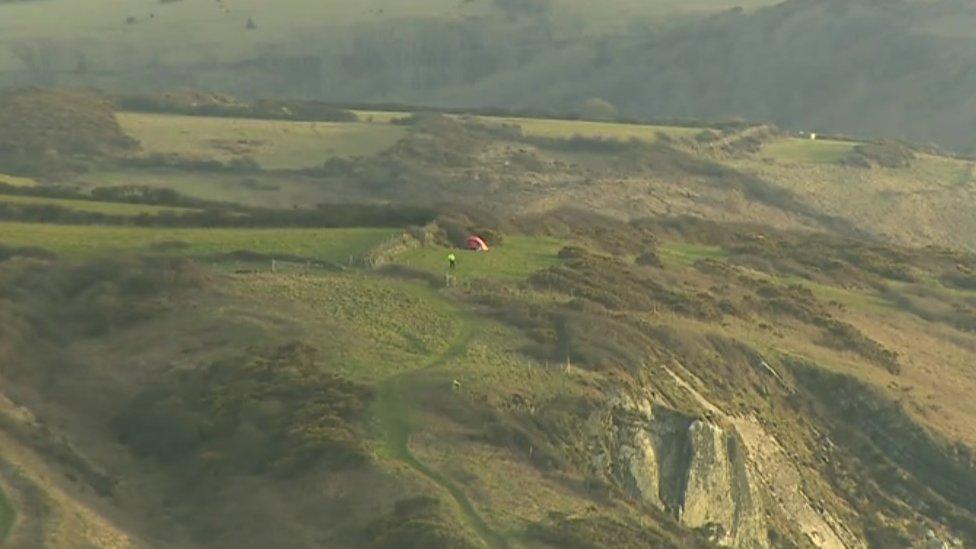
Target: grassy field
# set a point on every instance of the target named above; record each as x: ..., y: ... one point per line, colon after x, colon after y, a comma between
x: 411, y: 341
x: 7, y: 516
x: 17, y: 181
x: 543, y: 127
x: 74, y: 20
x: 368, y: 327
x: 81, y: 240
x: 255, y: 190
x: 274, y: 144
x: 380, y: 117
x: 821, y: 151
x: 108, y: 208
x: 517, y: 258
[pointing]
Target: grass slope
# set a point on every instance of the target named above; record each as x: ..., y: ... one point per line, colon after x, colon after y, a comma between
x: 544, y: 127
x: 821, y: 151
x: 374, y: 328
x: 255, y: 190
x: 556, y: 128
x: 275, y: 144
x: 80, y: 240
x: 32, y: 19
x: 17, y: 181
x: 390, y: 332
x: 518, y: 257
x: 396, y: 424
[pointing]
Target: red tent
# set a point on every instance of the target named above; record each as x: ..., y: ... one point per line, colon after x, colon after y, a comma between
x: 477, y: 244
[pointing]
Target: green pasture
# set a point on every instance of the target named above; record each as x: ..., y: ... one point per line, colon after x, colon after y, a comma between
x: 517, y: 258
x: 558, y: 129
x: 380, y: 117
x: 564, y: 129
x: 84, y: 240
x: 17, y: 181
x: 820, y: 151
x: 68, y: 19
x: 369, y: 327
x: 274, y: 144
x: 272, y: 191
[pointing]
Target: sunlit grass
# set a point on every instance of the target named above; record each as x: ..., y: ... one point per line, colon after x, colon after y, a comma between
x: 274, y: 144
x: 274, y: 192
x: 562, y: 129
x: 370, y: 327
x: 380, y: 117
x: 84, y: 240
x: 517, y: 258
x: 17, y: 181
x: 557, y: 128
x: 821, y: 151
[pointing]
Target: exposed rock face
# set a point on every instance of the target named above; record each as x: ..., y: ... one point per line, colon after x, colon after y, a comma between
x: 691, y: 468
x: 720, y: 495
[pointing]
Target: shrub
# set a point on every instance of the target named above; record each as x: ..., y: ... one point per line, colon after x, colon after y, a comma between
x: 43, y: 131
x: 417, y: 523
x: 277, y: 411
x: 886, y: 154
x: 213, y: 104
x: 649, y: 259
x: 597, y: 108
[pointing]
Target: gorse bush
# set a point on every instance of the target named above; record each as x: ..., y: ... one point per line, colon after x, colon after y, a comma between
x: 274, y: 411
x: 176, y: 161
x: 44, y: 131
x: 886, y: 154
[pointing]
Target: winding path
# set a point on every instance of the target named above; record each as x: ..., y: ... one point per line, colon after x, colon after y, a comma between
x: 393, y: 417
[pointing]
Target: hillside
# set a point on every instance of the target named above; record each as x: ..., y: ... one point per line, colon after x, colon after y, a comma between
x: 682, y: 336
x: 575, y: 383
x: 866, y: 68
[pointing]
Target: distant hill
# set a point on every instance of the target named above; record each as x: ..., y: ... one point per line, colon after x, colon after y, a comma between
x: 899, y: 68
x: 895, y: 68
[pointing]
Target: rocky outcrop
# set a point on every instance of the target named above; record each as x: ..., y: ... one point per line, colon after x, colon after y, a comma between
x: 719, y: 494
x: 692, y: 468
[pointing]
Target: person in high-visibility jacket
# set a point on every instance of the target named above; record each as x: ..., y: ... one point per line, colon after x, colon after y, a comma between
x: 452, y: 260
